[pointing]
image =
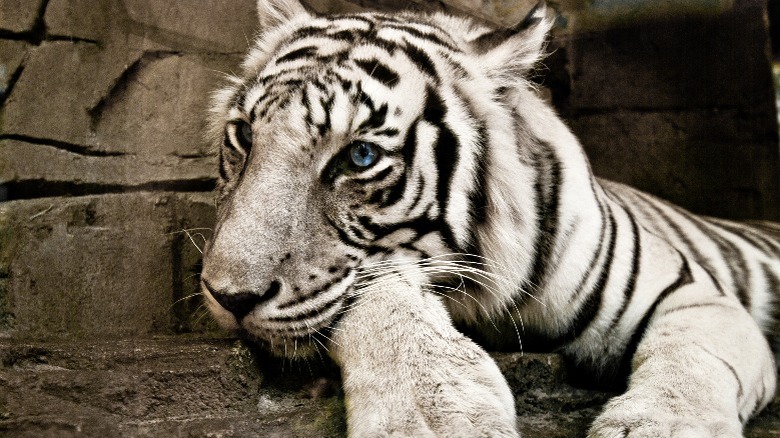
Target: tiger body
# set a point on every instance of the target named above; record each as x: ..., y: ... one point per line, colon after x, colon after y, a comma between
x: 406, y: 158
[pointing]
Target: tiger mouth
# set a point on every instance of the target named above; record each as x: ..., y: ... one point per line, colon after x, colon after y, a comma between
x: 297, y: 338
x: 304, y: 322
x: 297, y: 325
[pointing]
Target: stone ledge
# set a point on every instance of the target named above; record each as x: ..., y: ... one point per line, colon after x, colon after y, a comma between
x: 182, y: 386
x: 116, y: 265
x: 24, y: 162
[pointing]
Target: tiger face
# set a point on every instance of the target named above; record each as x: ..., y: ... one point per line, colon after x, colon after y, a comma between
x: 348, y: 140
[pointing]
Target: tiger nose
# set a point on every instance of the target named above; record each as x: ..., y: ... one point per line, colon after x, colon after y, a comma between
x: 241, y: 303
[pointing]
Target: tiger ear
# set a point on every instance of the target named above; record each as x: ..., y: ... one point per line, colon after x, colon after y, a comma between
x: 514, y: 51
x: 272, y: 13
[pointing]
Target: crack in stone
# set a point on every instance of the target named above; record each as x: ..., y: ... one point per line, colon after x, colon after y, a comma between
x: 122, y: 82
x: 38, y: 188
x: 71, y: 39
x: 6, y: 91
x: 36, y: 34
x: 63, y: 145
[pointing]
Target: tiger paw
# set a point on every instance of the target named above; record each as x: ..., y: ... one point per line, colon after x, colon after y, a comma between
x: 461, y: 394
x: 666, y: 414
x: 408, y: 372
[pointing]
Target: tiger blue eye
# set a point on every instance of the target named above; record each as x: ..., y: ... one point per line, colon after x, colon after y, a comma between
x: 363, y: 154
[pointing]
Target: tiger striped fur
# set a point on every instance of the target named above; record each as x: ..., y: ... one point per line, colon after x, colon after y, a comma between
x: 382, y: 176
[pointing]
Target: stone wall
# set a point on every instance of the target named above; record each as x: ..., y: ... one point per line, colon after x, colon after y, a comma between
x: 103, y: 166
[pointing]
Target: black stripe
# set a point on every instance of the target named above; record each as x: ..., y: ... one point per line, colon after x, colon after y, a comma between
x: 417, y: 196
x: 740, y: 391
x: 447, y: 155
x: 362, y: 97
x: 303, y: 52
x: 602, y: 230
x: 239, y: 98
x: 703, y: 260
x: 327, y: 107
x: 768, y: 228
x: 222, y: 171
x: 456, y: 66
x: 394, y: 193
x: 379, y: 71
x: 343, y: 236
x: 410, y: 247
x: 357, y: 232
x: 306, y: 32
x: 589, y: 310
x: 368, y: 224
x: 421, y: 225
x: 731, y: 254
x: 422, y: 61
x: 408, y: 152
x: 684, y: 277
x: 752, y: 236
x: 547, y: 188
x: 628, y: 291
x: 694, y: 306
x: 376, y: 119
x: 478, y: 197
x: 773, y: 330
x: 427, y: 36
x: 382, y: 174
x: 387, y: 132
x: 348, y: 35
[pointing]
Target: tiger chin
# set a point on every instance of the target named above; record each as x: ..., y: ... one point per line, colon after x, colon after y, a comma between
x: 384, y: 176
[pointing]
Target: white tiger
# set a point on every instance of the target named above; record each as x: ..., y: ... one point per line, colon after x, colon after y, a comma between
x: 384, y: 174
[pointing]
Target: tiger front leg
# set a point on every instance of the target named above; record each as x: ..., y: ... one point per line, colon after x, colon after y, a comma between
x: 701, y: 370
x: 408, y: 372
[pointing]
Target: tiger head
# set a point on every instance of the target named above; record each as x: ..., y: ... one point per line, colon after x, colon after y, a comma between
x: 351, y: 139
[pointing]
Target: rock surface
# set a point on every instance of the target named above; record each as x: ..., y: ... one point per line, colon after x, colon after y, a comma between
x: 100, y: 266
x: 185, y: 386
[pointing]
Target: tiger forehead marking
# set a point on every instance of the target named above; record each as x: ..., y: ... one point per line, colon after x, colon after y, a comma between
x: 370, y: 42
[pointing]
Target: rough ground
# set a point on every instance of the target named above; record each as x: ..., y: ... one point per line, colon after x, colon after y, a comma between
x: 179, y: 386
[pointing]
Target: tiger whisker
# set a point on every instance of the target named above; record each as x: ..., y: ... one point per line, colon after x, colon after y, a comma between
x: 186, y: 298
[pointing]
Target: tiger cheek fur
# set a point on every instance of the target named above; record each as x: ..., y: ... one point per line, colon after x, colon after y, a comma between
x: 275, y: 267
x: 408, y: 155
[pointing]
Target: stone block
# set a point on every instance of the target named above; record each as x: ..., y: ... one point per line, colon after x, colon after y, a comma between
x: 83, y: 73
x: 114, y: 101
x: 190, y: 26
x: 680, y: 62
x: 721, y: 163
x: 150, y: 25
x: 83, y: 19
x: 19, y: 16
x: 96, y: 266
x: 29, y: 170
x: 157, y: 108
